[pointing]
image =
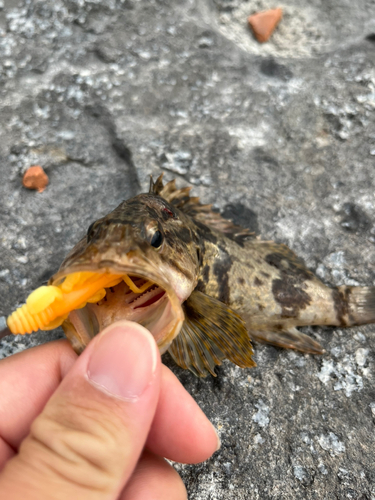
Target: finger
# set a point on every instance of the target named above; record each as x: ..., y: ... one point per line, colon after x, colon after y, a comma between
x: 88, y: 438
x: 6, y: 452
x: 154, y: 479
x: 27, y: 381
x: 180, y: 430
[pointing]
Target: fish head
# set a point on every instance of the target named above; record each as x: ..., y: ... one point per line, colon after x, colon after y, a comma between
x: 150, y: 250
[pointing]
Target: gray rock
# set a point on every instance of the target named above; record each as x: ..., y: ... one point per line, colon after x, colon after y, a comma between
x: 281, y: 135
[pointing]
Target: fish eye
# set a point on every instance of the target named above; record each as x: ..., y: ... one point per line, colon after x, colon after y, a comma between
x: 157, y: 239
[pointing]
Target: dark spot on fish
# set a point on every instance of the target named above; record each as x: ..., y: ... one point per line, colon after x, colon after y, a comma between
x: 205, y: 232
x: 101, y: 229
x: 370, y: 37
x: 221, y: 270
x: 173, y: 241
x: 184, y: 234
x: 153, y: 214
x: 340, y: 302
x: 131, y: 203
x: 205, y: 274
x: 290, y: 265
x: 203, y: 279
x: 240, y: 281
x: 169, y: 237
x: 90, y: 231
x: 165, y: 216
x: 257, y: 281
x: 260, y: 307
x: 277, y: 260
x: 240, y: 239
x: 199, y: 256
x: 290, y: 296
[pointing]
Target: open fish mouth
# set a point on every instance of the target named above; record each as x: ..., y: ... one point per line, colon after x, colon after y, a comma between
x: 84, y: 300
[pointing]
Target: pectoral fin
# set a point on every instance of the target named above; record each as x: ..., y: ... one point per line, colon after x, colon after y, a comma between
x: 290, y: 339
x: 211, y: 332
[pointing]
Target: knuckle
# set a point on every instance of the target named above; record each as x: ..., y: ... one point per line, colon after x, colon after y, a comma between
x: 81, y: 444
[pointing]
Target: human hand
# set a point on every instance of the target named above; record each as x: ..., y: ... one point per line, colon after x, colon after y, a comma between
x: 97, y: 425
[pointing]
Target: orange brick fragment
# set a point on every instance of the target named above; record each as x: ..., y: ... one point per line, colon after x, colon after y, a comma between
x: 35, y: 178
x: 264, y: 23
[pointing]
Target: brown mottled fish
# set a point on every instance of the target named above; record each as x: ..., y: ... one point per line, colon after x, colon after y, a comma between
x: 203, y: 286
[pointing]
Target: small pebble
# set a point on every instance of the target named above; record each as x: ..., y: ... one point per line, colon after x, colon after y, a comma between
x: 264, y: 23
x: 35, y: 178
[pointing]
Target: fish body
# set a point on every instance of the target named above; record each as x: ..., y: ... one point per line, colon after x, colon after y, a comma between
x: 202, y: 285
x: 274, y: 292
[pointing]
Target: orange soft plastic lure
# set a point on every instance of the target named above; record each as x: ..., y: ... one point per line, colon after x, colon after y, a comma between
x: 48, y: 306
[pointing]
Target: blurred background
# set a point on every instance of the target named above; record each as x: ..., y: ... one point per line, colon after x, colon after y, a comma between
x: 279, y: 135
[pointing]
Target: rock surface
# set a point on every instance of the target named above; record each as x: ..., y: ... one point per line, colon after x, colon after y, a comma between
x: 281, y: 136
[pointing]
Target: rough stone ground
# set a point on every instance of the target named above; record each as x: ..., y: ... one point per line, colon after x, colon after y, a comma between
x: 280, y: 136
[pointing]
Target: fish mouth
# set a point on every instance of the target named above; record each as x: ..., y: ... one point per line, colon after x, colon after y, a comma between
x: 128, y: 294
x: 85, y: 297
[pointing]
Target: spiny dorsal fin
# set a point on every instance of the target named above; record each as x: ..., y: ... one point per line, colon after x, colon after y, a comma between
x: 211, y: 332
x: 191, y: 205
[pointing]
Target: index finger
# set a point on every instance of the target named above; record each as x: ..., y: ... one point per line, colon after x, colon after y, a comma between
x: 27, y: 381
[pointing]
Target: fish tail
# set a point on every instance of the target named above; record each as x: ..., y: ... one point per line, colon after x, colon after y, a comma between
x: 354, y: 305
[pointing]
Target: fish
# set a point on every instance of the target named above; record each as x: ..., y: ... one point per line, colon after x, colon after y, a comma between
x: 204, y: 287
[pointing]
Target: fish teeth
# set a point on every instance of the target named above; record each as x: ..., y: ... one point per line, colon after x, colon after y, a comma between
x: 131, y: 297
x: 153, y: 288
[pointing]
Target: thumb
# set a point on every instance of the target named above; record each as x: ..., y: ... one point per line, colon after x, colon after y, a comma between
x: 86, y: 442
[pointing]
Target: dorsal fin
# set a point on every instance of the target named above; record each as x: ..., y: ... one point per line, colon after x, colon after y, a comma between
x: 191, y: 205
